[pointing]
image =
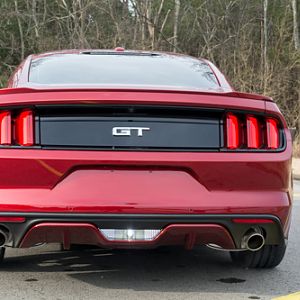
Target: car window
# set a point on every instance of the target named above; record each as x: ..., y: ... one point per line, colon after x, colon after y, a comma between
x: 122, y: 70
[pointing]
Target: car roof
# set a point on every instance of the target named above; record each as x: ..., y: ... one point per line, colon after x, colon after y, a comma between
x: 22, y: 72
x: 116, y: 51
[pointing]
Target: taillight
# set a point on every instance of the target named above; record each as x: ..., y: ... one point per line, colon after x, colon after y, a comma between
x: 244, y: 131
x: 272, y: 133
x: 253, y: 132
x: 232, y: 131
x: 25, y: 128
x: 5, y: 128
x: 17, y: 128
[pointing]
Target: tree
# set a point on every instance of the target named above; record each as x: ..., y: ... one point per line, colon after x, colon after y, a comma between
x: 295, y: 25
x: 255, y: 43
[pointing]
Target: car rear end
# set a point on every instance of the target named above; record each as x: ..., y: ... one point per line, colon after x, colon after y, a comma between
x: 132, y: 167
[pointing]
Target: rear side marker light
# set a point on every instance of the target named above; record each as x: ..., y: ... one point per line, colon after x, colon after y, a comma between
x: 25, y: 128
x: 253, y: 133
x: 232, y: 131
x: 5, y: 128
x: 252, y: 221
x: 12, y: 219
x: 272, y: 133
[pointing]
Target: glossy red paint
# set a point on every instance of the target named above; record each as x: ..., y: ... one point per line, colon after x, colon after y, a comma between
x: 12, y: 219
x: 136, y: 182
x: 83, y: 233
x: 252, y: 221
x: 255, y: 182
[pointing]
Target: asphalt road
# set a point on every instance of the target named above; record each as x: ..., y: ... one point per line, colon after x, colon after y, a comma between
x: 48, y: 273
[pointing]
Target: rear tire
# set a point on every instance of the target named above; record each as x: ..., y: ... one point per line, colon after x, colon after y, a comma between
x: 2, y: 253
x: 269, y: 256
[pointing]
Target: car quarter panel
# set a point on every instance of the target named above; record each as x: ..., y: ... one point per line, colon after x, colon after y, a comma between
x: 42, y: 180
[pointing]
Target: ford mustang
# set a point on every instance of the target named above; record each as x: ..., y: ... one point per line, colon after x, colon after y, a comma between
x: 137, y: 149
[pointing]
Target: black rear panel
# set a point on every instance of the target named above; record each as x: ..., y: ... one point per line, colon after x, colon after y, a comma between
x: 134, y: 127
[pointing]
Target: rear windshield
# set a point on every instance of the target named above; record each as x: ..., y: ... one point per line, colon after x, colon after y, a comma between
x: 123, y: 70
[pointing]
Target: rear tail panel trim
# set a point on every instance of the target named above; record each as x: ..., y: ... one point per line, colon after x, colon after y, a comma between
x: 273, y: 231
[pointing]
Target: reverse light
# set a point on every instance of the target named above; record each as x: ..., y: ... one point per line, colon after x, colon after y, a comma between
x: 253, y: 133
x: 272, y: 133
x: 5, y: 128
x: 232, y: 131
x: 130, y: 234
x: 25, y: 128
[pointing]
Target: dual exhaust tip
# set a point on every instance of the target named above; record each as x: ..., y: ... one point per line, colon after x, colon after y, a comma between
x: 253, y: 241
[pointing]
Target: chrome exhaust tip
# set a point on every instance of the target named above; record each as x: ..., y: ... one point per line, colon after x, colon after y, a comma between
x: 253, y: 241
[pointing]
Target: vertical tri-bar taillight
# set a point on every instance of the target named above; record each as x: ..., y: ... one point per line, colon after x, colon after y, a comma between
x: 5, y: 128
x: 253, y: 133
x: 232, y: 131
x: 272, y: 133
x: 243, y: 131
x: 25, y: 128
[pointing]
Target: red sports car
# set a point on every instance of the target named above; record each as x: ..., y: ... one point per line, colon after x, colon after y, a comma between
x: 138, y: 149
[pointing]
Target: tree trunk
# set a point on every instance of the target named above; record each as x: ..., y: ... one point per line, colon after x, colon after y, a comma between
x: 295, y: 25
x: 175, y: 30
x: 20, y: 30
x: 265, y: 43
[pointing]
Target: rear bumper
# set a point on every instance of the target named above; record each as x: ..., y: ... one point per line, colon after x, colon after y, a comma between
x: 187, y: 230
x: 146, y: 190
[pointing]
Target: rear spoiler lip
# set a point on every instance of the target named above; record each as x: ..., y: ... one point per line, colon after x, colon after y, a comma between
x: 234, y: 94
